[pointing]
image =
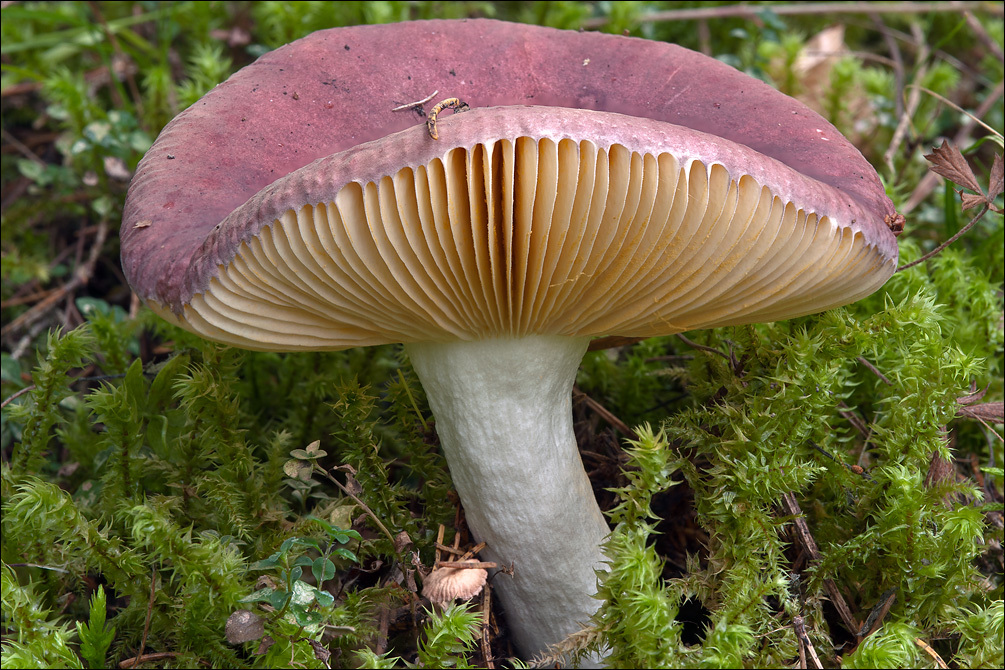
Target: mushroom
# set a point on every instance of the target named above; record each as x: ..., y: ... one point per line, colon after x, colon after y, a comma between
x: 599, y: 185
x: 445, y: 583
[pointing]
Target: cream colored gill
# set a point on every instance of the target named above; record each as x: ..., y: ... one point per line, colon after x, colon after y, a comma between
x: 518, y: 237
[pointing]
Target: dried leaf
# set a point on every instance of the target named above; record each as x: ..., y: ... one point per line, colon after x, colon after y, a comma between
x: 973, y: 396
x: 997, y: 181
x: 263, y: 647
x: 940, y: 470
x: 895, y: 222
x: 321, y: 652
x: 987, y: 411
x: 948, y: 162
x: 352, y: 485
x: 970, y: 200
x: 401, y: 540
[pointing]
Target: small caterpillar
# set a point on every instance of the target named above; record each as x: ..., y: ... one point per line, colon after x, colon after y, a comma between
x: 451, y: 103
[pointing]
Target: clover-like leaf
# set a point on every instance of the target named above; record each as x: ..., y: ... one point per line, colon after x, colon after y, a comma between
x: 322, y: 569
x: 278, y: 599
x: 267, y: 563
x: 311, y: 453
x: 298, y: 469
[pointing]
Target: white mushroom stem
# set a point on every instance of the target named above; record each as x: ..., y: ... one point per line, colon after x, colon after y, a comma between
x: 503, y: 413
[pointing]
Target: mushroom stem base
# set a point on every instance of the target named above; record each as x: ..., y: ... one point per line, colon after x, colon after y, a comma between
x: 503, y: 412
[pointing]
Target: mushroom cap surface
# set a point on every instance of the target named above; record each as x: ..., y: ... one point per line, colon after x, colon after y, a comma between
x: 599, y: 185
x: 445, y: 584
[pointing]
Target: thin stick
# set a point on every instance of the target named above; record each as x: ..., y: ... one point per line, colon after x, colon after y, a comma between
x: 472, y: 551
x: 359, y: 502
x: 936, y: 250
x: 875, y: 370
x: 914, y: 99
x: 18, y: 394
x: 950, y: 103
x: 134, y: 91
x: 799, y: 625
x: 447, y: 548
x: 439, y: 543
x: 791, y: 506
x: 813, y: 8
x: 878, y: 613
x: 467, y: 565
x: 160, y: 656
x: 931, y: 652
x: 982, y: 34
x: 150, y: 612
x: 417, y: 103
x: 702, y: 347
x: 80, y: 278
x: 486, y: 618
x: 609, y: 416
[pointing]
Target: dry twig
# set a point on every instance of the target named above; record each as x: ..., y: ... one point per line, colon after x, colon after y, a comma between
x: 805, y: 645
x: 809, y: 545
x: 607, y: 415
x: 80, y: 278
x: 752, y: 12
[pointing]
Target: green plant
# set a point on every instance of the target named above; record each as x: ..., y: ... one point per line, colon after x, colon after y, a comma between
x: 95, y: 635
x: 140, y: 458
x: 306, y: 603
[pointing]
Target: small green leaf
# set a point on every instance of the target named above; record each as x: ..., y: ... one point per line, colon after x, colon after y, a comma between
x: 260, y: 596
x: 306, y: 618
x: 278, y: 599
x: 267, y: 563
x: 322, y: 569
x: 346, y: 554
x: 337, y: 534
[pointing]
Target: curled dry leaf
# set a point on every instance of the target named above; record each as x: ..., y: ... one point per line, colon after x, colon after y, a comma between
x: 948, y: 162
x: 997, y: 182
x: 263, y: 647
x: 970, y: 200
x: 973, y: 396
x: 401, y: 541
x: 445, y: 584
x: 987, y: 411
